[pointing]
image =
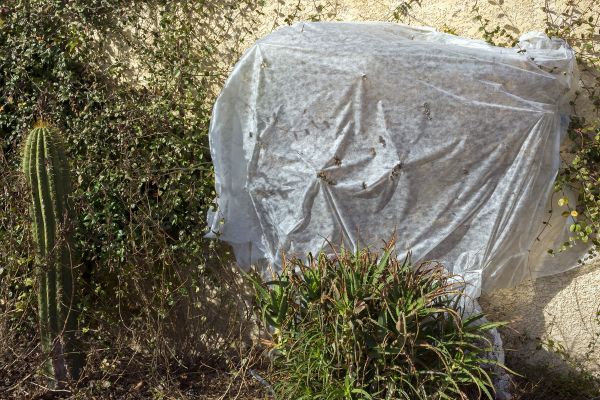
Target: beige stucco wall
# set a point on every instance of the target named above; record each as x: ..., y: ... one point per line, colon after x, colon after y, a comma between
x: 560, y: 309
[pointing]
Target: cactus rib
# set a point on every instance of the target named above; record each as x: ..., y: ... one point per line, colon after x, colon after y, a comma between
x: 46, y: 171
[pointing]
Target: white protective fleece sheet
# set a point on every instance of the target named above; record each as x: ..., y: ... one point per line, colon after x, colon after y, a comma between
x: 353, y: 132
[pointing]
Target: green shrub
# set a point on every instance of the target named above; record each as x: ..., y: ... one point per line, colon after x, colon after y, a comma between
x: 134, y: 115
x: 359, y: 326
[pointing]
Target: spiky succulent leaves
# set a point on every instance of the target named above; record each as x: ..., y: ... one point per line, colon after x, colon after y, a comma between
x: 46, y: 171
x: 366, y: 325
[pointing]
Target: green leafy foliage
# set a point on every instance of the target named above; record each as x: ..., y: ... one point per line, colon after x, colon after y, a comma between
x: 363, y: 326
x: 403, y: 9
x: 582, y: 173
x: 579, y: 24
x: 130, y: 85
x: 497, y: 34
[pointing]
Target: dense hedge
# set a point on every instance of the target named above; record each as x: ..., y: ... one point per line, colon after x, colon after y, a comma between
x: 130, y: 84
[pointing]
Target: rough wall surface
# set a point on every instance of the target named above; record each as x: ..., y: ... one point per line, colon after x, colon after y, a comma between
x: 551, y: 318
x: 560, y: 311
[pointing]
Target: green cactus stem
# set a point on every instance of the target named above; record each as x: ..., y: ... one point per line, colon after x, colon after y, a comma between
x: 47, y: 174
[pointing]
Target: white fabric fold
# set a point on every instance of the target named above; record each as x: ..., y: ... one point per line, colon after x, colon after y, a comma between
x: 350, y: 133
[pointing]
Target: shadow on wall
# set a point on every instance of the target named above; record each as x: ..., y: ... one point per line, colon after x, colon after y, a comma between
x: 553, y: 321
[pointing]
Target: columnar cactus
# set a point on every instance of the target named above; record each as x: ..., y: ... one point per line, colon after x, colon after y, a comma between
x: 47, y: 174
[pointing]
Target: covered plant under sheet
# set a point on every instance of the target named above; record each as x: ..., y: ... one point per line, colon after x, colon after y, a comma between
x: 351, y: 132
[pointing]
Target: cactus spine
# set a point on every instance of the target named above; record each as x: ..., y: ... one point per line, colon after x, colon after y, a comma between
x: 47, y: 174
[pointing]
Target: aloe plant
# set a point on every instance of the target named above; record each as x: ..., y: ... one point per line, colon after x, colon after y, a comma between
x: 365, y: 325
x: 47, y: 174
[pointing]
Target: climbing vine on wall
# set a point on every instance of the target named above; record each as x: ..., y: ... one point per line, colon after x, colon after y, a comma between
x: 579, y: 24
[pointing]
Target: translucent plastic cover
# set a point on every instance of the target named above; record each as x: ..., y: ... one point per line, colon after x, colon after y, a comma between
x: 350, y: 133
